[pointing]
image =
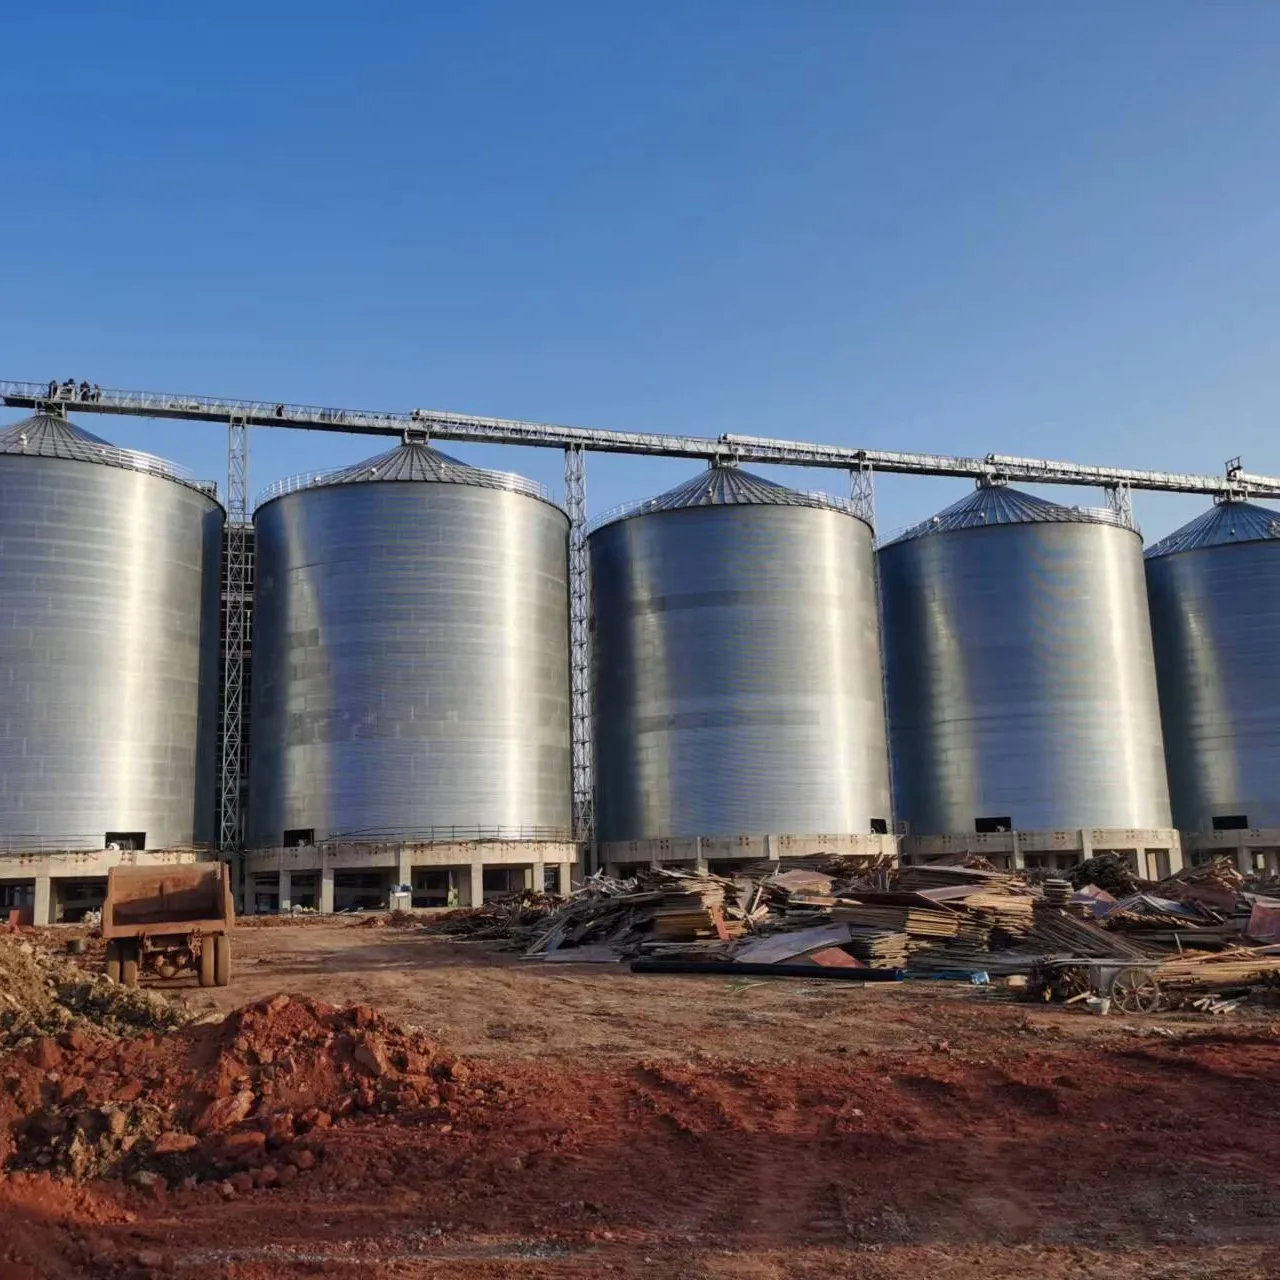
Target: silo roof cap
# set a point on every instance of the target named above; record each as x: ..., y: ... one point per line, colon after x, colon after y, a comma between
x: 999, y: 504
x: 412, y: 461
x: 725, y: 485
x: 1224, y: 523
x: 48, y: 435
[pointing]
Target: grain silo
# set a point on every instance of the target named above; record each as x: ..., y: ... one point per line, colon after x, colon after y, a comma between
x: 411, y: 680
x: 1023, y: 713
x: 738, y: 705
x: 109, y: 564
x: 1214, y: 588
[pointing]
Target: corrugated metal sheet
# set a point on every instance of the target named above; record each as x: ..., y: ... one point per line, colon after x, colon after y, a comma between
x: 737, y: 685
x: 1214, y: 588
x: 108, y: 646
x: 1021, y: 680
x: 1222, y: 525
x: 411, y: 657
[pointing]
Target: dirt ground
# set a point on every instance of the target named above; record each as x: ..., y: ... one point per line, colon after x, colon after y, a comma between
x: 610, y: 1125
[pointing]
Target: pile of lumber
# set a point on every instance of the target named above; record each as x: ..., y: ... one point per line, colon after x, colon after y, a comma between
x: 1000, y: 913
x: 878, y: 948
x: 916, y: 921
x: 949, y: 959
x: 936, y: 918
x: 1056, y: 931
x: 945, y: 875
x: 1238, y: 966
x: 662, y: 912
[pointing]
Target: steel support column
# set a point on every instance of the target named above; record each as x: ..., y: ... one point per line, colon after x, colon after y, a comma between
x: 862, y: 491
x: 1120, y: 500
x: 235, y: 634
x: 575, y: 490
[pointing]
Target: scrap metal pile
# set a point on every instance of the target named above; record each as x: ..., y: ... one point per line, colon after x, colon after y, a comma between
x: 1203, y: 933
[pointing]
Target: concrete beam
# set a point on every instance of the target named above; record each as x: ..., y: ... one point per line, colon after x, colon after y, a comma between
x: 88, y: 865
x: 358, y: 857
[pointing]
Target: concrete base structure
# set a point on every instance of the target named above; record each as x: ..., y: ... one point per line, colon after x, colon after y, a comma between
x: 1255, y: 850
x: 703, y: 853
x: 1153, y: 853
x: 53, y: 888
x: 342, y: 877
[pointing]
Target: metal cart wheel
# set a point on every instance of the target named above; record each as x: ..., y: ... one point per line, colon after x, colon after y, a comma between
x: 1135, y: 991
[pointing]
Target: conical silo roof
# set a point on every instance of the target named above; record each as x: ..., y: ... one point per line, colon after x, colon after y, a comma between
x: 48, y: 435
x: 45, y: 435
x: 411, y: 461
x: 1224, y: 523
x: 999, y: 504
x: 726, y: 485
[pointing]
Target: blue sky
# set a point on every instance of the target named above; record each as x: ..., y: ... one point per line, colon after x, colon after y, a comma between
x: 963, y: 226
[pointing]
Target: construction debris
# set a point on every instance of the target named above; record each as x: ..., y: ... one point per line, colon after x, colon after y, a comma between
x: 1107, y: 871
x: 944, y: 919
x: 44, y: 993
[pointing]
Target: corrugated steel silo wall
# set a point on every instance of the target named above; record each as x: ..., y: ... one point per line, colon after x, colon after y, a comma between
x: 1021, y: 680
x: 1215, y: 616
x: 108, y: 655
x: 737, y: 679
x: 411, y: 662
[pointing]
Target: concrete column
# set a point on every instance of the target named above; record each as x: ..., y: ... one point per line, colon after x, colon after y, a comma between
x: 539, y: 874
x: 404, y: 866
x: 42, y: 912
x: 1016, y: 861
x: 699, y: 860
x: 1244, y: 863
x: 1086, y: 846
x: 477, y: 882
x: 286, y: 892
x: 326, y: 890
